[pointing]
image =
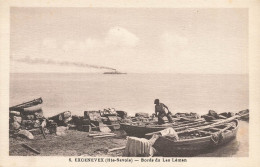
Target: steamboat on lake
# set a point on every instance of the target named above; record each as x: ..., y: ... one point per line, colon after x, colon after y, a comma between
x: 114, y: 72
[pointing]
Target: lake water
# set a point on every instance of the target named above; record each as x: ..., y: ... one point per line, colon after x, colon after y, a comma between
x: 132, y: 92
x: 136, y: 93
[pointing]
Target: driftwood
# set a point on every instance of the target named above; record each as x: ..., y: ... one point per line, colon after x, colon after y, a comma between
x: 30, y: 148
x: 115, y: 149
x: 100, y: 134
x: 104, y: 136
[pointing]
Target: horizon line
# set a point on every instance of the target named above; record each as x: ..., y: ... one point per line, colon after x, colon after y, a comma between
x: 126, y: 73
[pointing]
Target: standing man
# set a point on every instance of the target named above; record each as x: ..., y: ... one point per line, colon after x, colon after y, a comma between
x: 160, y: 109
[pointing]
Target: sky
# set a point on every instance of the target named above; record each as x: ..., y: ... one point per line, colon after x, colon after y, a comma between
x: 133, y: 40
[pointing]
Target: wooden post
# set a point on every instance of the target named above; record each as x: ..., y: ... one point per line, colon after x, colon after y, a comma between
x: 30, y: 148
x: 43, y: 133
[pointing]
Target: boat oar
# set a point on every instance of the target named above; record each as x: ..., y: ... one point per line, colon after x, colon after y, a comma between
x: 209, y: 126
x: 188, y: 124
x: 190, y: 129
x: 179, y: 125
x: 180, y: 128
x: 192, y: 126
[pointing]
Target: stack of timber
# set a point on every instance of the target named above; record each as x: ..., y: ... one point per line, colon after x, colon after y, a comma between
x: 62, y: 119
x: 141, y: 117
x: 93, y: 120
x: 76, y: 123
x: 121, y: 114
x: 100, y: 120
x: 110, y: 117
x: 196, y: 140
x: 186, y: 115
x: 27, y: 119
x: 213, y: 115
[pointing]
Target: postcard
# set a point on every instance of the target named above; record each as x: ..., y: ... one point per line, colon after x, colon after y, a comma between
x: 131, y: 83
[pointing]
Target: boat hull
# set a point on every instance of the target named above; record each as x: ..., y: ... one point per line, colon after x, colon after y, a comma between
x: 142, y: 130
x: 139, y: 131
x: 191, y: 147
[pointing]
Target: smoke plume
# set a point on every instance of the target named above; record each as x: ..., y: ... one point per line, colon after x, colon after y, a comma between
x: 30, y: 60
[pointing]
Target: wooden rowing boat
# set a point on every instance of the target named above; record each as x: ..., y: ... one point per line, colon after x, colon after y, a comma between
x: 141, y: 130
x: 197, y: 140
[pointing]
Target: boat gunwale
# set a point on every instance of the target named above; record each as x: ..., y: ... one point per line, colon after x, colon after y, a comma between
x: 144, y: 126
x: 166, y: 126
x: 205, y: 137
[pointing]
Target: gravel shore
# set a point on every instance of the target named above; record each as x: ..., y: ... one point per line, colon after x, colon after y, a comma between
x: 74, y: 143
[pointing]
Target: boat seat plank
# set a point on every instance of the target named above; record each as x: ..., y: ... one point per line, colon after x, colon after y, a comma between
x: 205, y: 132
x: 217, y: 129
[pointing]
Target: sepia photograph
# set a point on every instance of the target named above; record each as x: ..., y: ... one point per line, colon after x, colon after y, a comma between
x: 129, y: 82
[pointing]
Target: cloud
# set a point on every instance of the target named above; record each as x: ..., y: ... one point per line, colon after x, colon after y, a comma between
x: 117, y: 46
x: 70, y: 45
x: 115, y: 38
x: 49, y: 43
x: 114, y: 49
x: 118, y: 36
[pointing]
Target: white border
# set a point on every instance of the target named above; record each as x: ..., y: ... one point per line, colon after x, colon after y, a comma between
x: 254, y: 71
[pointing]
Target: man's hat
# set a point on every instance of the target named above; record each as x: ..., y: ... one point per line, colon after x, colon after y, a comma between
x: 156, y: 101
